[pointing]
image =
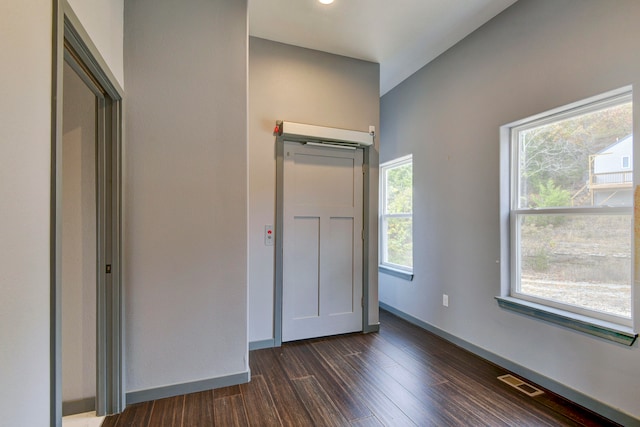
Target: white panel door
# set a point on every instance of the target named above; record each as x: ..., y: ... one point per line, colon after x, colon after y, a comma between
x: 322, y: 241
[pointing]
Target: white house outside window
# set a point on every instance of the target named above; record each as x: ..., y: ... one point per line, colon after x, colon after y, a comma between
x: 570, y: 209
x: 396, y: 217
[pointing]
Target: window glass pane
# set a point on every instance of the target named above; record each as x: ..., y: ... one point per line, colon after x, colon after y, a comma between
x: 399, y: 241
x: 579, y: 260
x: 399, y: 183
x: 626, y: 162
x: 577, y: 161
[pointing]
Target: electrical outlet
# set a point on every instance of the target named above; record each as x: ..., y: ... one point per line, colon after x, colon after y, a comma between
x: 445, y: 300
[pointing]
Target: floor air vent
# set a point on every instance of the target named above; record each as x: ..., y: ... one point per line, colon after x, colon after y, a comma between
x: 514, y: 382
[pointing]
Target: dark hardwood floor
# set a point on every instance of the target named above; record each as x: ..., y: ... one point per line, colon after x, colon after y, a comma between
x: 401, y: 376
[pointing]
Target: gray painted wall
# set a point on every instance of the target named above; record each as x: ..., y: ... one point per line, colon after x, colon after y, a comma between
x: 306, y: 86
x: 537, y: 55
x: 103, y: 21
x: 25, y: 155
x: 78, y: 239
x: 186, y: 191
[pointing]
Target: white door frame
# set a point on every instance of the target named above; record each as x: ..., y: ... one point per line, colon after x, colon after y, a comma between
x: 73, y: 45
x: 279, y: 256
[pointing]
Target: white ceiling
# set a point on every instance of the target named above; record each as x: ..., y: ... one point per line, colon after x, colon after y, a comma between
x: 401, y: 35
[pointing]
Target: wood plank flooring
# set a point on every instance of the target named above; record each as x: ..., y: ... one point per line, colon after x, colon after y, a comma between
x: 401, y: 376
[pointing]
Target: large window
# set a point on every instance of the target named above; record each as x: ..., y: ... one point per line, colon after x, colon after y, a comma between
x: 396, y: 216
x: 571, y: 205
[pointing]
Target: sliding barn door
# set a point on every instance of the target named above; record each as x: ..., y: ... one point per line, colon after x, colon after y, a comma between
x: 322, y: 241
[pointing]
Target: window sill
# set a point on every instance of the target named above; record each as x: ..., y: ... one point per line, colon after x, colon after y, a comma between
x: 606, y: 330
x: 406, y: 275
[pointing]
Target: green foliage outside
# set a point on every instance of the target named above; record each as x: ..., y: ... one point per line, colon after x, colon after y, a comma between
x: 559, y: 152
x: 399, y: 200
x: 400, y: 189
x: 549, y: 195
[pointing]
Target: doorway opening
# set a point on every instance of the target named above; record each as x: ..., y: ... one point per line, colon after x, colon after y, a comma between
x: 86, y: 218
x: 322, y: 237
x: 78, y: 245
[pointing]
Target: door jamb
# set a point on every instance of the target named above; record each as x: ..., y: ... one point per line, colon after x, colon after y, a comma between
x: 71, y: 42
x: 277, y: 310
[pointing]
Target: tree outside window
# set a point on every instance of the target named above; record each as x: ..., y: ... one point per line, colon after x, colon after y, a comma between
x: 571, y: 208
x: 396, y: 218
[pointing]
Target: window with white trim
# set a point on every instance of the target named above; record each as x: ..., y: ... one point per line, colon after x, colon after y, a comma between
x: 396, y: 215
x: 571, y: 208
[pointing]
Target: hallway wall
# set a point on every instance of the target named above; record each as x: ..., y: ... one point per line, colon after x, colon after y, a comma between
x: 185, y: 193
x: 25, y: 156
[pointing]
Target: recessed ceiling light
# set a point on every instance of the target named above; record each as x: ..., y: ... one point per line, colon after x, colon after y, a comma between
x: 326, y: 1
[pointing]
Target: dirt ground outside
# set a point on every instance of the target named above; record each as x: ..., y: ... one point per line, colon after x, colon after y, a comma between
x: 579, y: 260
